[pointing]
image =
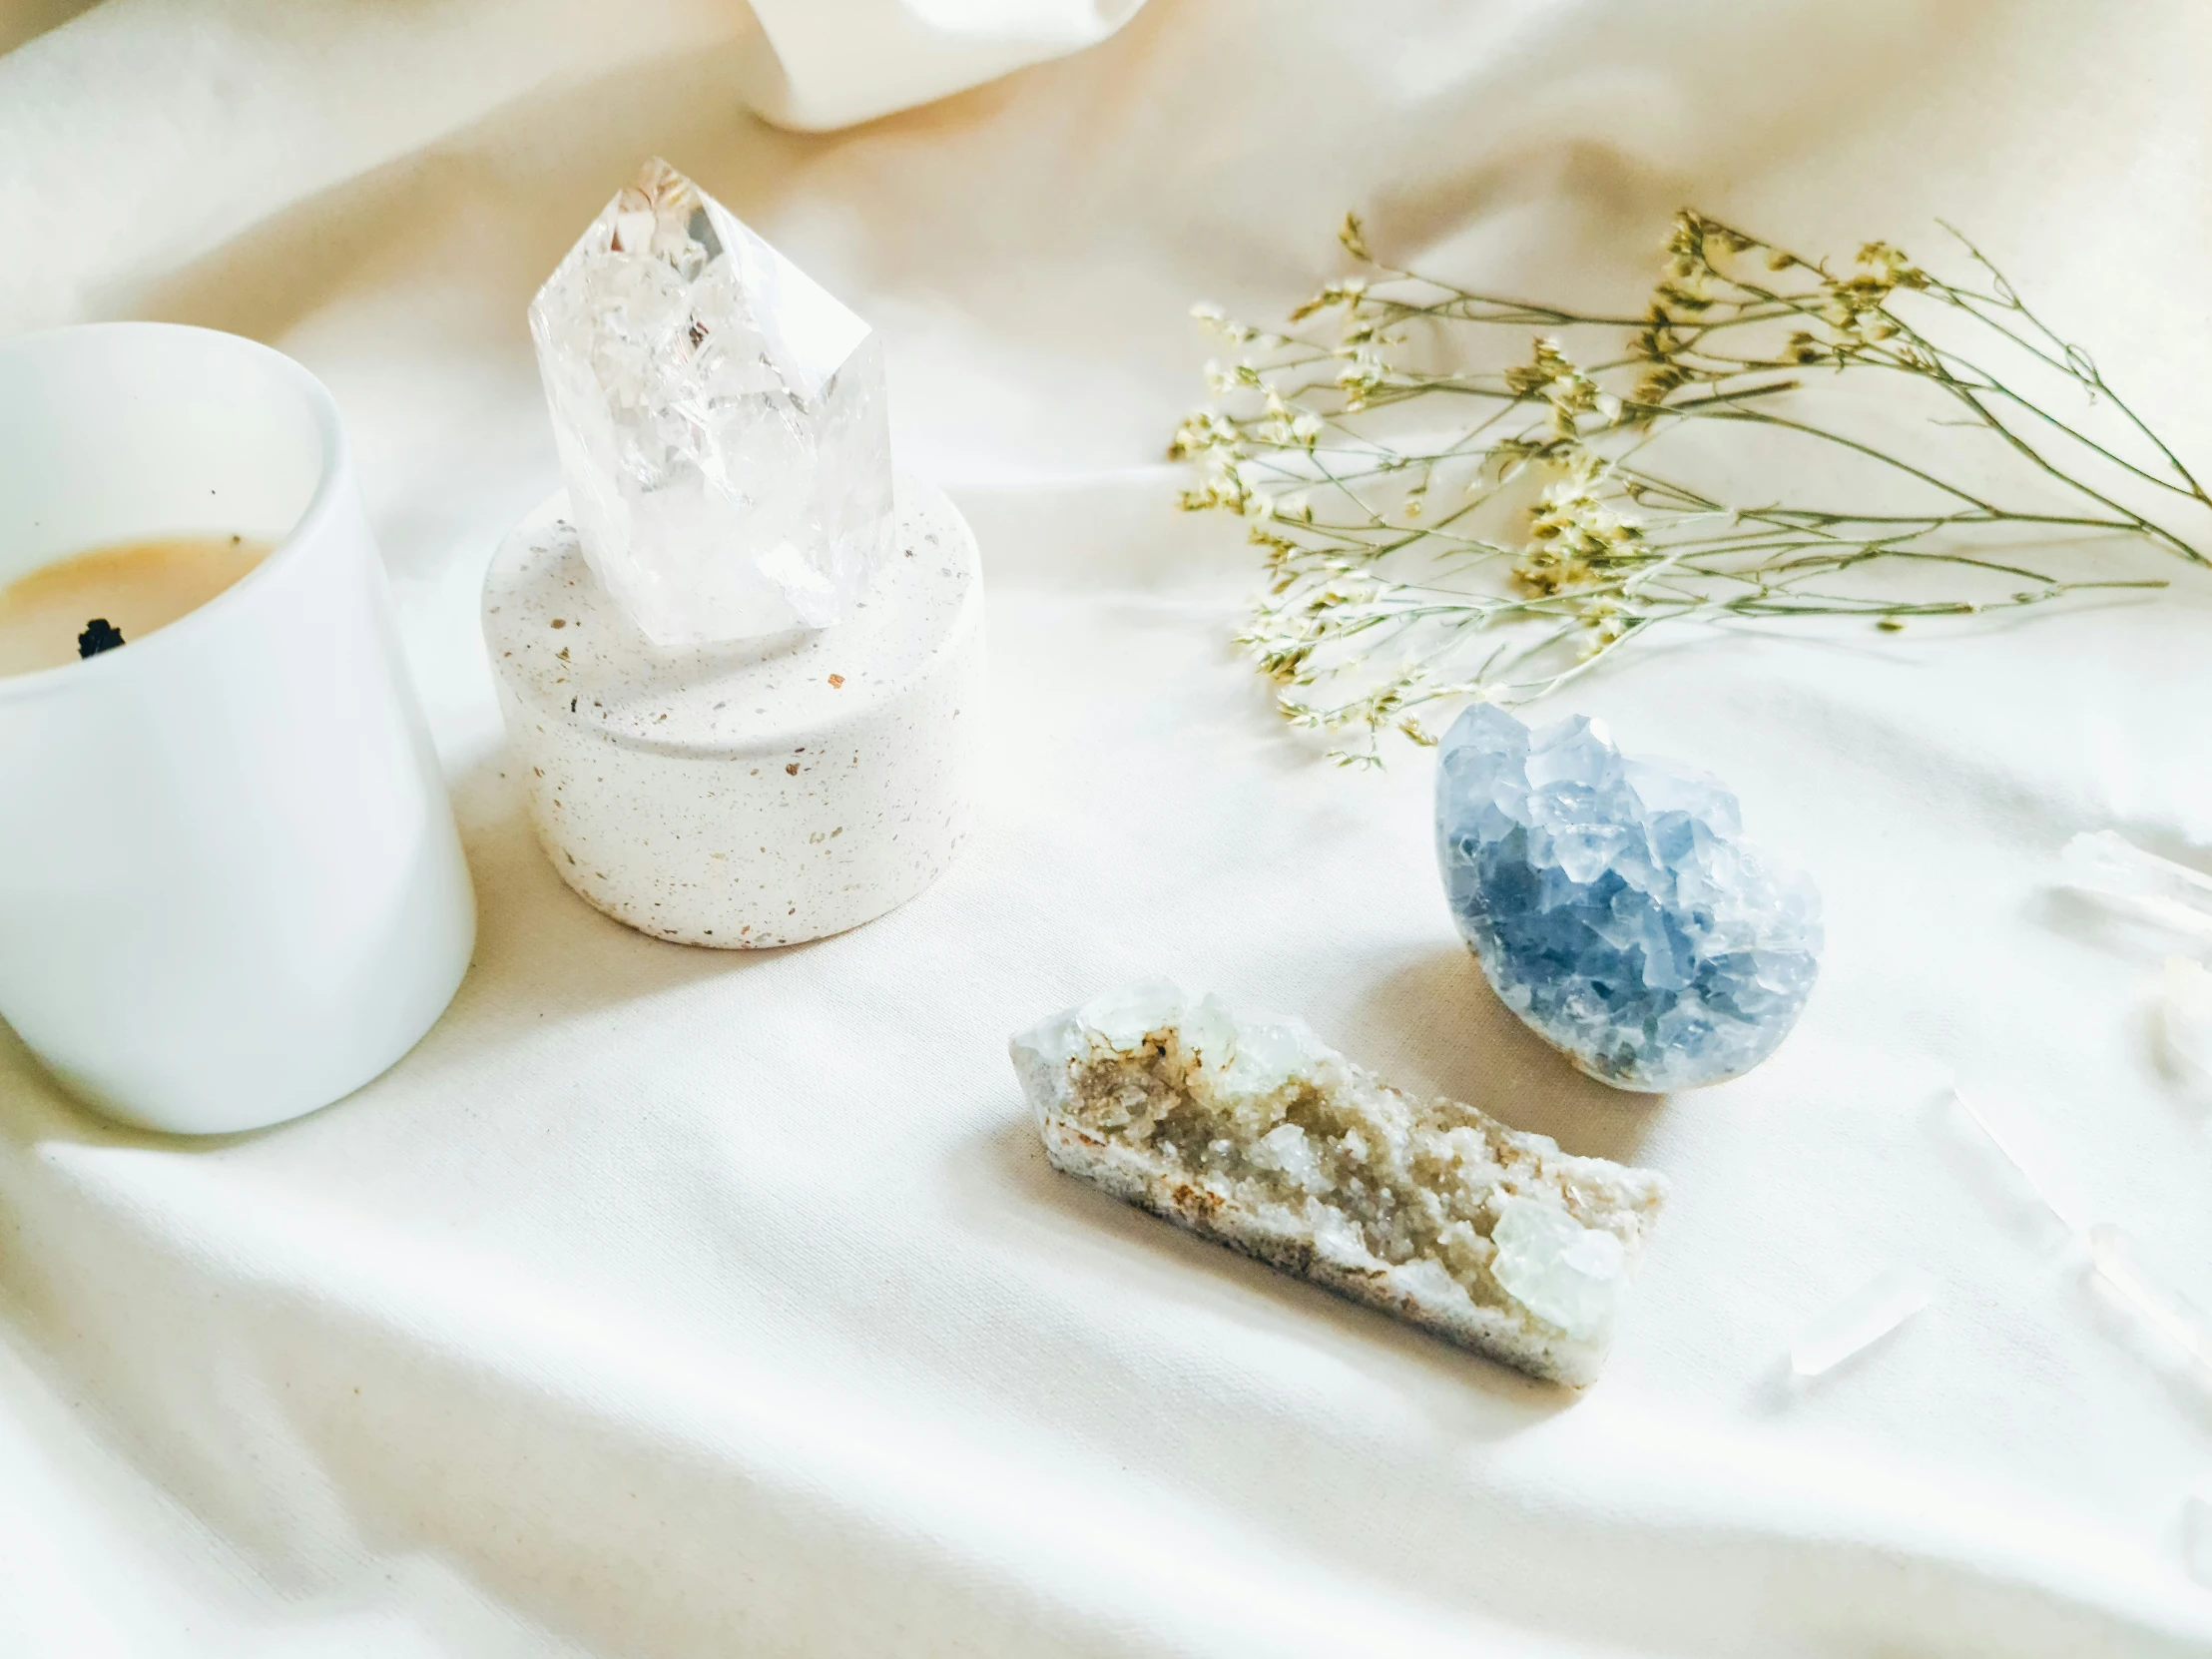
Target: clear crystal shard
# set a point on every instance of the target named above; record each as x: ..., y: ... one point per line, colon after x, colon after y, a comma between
x: 2121, y: 1261
x: 2196, y: 1532
x: 1615, y: 905
x: 1861, y: 1319
x: 2114, y: 1252
x: 2107, y: 862
x: 722, y: 420
x: 2185, y: 1016
x: 2020, y: 1142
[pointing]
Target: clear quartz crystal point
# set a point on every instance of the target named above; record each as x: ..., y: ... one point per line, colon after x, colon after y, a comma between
x: 2106, y: 862
x: 2017, y: 1140
x: 2113, y: 1252
x: 2185, y: 1016
x: 2196, y: 1531
x: 720, y: 418
x: 2120, y: 1260
x: 1861, y: 1319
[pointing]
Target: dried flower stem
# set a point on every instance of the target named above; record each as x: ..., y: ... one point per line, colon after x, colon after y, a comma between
x: 1439, y: 533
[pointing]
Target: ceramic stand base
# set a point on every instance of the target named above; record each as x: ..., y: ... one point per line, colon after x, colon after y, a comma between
x: 754, y: 794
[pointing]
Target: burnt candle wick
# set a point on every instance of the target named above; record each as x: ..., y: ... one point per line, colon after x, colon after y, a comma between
x: 99, y: 635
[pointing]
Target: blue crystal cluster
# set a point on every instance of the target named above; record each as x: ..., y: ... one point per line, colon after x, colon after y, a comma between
x: 1615, y: 905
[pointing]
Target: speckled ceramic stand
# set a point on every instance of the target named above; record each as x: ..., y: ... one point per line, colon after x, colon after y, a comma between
x: 754, y: 794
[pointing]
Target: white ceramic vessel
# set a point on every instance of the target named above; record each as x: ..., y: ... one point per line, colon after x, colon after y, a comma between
x: 231, y: 888
x: 758, y: 793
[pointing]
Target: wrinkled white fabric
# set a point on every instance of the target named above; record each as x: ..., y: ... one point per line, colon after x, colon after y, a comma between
x: 671, y: 1302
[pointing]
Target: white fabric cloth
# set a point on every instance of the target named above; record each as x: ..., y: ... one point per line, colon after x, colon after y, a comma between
x: 671, y: 1302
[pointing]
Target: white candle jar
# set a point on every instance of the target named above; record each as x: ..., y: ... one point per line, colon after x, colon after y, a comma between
x: 231, y: 888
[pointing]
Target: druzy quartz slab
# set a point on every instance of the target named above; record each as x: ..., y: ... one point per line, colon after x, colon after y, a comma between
x: 720, y: 419
x: 1615, y: 905
x: 1256, y: 1134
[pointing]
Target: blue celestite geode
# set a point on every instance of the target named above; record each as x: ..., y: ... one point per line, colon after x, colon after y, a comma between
x: 1615, y: 905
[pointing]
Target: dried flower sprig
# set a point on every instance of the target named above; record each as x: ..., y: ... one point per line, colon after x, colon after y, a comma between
x: 1438, y: 527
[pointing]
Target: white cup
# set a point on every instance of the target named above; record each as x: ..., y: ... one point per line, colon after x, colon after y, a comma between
x: 230, y: 890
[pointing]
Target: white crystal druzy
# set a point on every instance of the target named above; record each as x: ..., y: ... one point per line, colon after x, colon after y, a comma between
x: 720, y: 418
x: 1256, y: 1133
x: 1565, y: 1274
